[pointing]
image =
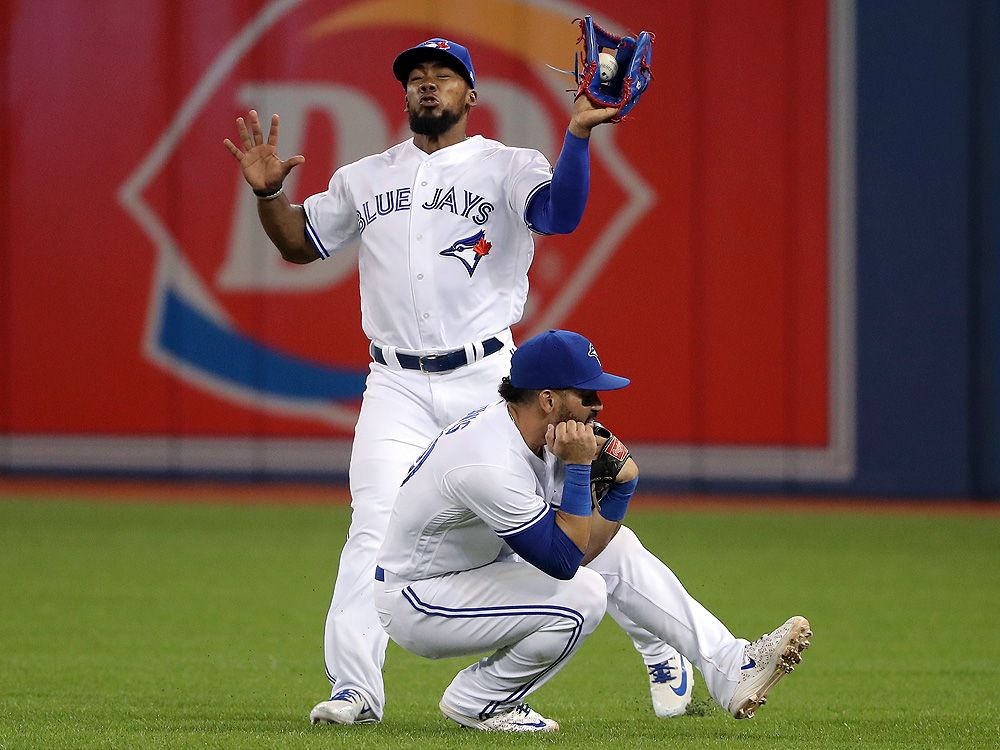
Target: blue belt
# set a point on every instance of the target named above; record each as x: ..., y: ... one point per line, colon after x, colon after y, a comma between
x: 437, y: 362
x: 379, y: 574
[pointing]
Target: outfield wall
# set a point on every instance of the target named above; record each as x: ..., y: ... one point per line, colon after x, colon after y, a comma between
x: 791, y: 247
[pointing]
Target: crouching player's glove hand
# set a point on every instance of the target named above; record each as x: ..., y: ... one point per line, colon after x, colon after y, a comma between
x: 613, y: 475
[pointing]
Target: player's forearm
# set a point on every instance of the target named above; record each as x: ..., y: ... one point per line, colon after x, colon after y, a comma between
x: 602, y: 531
x: 546, y: 546
x: 285, y: 225
x: 577, y: 528
x: 613, y: 506
x: 556, y: 543
x: 559, y: 208
x: 578, y: 128
x: 574, y: 515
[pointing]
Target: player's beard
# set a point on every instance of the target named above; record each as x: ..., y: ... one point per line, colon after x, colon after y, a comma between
x: 433, y: 125
x: 565, y: 414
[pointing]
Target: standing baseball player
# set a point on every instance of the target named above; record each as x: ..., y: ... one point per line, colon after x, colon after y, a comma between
x: 445, y: 226
x: 514, y: 478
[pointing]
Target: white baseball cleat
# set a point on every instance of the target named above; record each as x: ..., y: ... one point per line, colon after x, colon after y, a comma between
x: 346, y: 707
x: 766, y: 661
x: 670, y: 685
x: 520, y: 718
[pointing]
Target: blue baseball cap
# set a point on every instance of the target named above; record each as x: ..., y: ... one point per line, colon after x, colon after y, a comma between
x: 560, y: 359
x: 442, y: 50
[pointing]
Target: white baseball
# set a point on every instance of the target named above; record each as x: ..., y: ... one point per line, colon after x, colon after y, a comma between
x: 608, y: 66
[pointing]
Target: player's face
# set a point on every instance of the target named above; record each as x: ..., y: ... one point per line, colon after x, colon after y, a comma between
x: 583, y: 406
x: 437, y: 97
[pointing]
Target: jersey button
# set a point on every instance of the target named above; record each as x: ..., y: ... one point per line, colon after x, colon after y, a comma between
x: 420, y: 276
x: 423, y: 184
x: 426, y: 316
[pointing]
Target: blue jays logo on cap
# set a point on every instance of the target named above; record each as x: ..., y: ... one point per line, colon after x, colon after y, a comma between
x: 442, y: 50
x: 560, y: 359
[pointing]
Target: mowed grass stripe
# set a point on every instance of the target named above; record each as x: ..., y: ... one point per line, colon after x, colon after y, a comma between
x: 150, y: 625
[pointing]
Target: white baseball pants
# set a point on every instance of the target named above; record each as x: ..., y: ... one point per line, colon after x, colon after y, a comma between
x: 646, y: 592
x: 533, y: 623
x: 401, y: 412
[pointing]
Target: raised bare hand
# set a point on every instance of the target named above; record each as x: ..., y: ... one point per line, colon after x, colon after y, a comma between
x: 262, y: 168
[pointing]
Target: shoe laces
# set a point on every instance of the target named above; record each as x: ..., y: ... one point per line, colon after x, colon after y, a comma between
x: 348, y: 694
x: 521, y: 708
x: 763, y: 646
x: 661, y: 673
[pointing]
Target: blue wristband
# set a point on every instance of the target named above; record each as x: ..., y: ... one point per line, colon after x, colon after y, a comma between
x: 576, y: 491
x: 615, y: 503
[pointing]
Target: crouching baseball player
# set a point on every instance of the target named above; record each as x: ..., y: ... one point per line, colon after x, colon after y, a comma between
x: 488, y: 534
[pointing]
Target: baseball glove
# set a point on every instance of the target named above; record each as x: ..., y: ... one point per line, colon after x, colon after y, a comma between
x: 608, y: 465
x: 633, y: 55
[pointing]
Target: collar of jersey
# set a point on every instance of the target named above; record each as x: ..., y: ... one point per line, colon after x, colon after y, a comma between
x: 521, y: 445
x: 473, y: 141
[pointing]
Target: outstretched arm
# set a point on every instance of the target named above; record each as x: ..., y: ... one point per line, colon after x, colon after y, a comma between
x: 265, y: 172
x: 558, y: 207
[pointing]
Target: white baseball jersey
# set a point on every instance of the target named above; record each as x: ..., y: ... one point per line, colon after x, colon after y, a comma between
x: 477, y: 483
x: 444, y: 247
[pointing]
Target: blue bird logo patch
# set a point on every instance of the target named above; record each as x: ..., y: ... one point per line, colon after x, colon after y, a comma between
x: 470, y: 250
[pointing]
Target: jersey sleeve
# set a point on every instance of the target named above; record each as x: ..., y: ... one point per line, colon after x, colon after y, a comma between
x: 530, y: 172
x: 505, y: 501
x: 331, y: 219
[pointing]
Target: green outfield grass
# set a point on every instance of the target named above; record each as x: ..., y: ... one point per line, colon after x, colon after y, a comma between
x: 195, y: 626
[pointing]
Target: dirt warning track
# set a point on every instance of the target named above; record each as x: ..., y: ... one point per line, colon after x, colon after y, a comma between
x: 270, y: 493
